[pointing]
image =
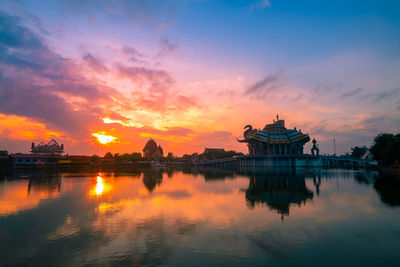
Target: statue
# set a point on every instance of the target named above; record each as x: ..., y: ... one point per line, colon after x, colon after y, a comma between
x: 248, y: 133
x: 315, y: 148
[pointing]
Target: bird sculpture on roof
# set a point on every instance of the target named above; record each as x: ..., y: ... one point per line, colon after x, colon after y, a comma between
x: 248, y: 133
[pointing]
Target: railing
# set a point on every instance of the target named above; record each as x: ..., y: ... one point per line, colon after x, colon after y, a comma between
x: 329, y: 160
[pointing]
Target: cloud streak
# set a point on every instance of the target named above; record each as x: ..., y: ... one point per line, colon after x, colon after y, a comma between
x: 267, y: 85
x: 355, y: 92
x: 260, y: 4
x: 166, y: 47
x: 94, y: 63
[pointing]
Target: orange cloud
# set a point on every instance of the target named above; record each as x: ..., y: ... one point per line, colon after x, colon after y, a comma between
x: 128, y: 124
x: 17, y: 127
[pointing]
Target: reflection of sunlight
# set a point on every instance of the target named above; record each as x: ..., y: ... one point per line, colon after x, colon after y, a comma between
x: 118, y: 206
x: 99, y: 185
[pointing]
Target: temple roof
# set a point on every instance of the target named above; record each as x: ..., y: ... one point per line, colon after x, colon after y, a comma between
x: 50, y: 147
x: 276, y: 133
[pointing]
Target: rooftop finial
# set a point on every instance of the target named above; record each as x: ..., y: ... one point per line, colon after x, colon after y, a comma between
x: 277, y: 117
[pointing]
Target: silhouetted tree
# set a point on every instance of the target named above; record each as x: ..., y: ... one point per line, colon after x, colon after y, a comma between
x: 358, y: 152
x: 170, y: 156
x: 94, y: 158
x: 218, y: 154
x: 186, y: 157
x: 126, y: 157
x: 108, y: 155
x: 136, y: 156
x: 386, y: 148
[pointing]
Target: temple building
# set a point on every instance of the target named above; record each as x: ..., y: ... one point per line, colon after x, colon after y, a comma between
x: 152, y: 150
x: 274, y: 139
x: 51, y: 148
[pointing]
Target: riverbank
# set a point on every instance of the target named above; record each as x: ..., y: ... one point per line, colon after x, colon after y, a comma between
x: 392, y: 169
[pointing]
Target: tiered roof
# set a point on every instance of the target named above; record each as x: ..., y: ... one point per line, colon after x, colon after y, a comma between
x: 276, y: 133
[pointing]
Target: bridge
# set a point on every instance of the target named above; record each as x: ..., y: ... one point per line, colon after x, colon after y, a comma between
x: 287, y: 161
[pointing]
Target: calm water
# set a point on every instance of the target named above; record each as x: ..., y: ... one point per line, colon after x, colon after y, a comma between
x: 197, y: 218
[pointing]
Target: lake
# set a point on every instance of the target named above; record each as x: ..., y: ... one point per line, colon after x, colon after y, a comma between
x: 195, y: 217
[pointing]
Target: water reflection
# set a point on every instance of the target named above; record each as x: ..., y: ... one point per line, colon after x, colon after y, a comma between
x: 197, y: 217
x: 99, y: 186
x: 152, y: 178
x: 48, y: 183
x: 388, y: 187
x: 104, y: 185
x: 212, y: 174
x: 317, y: 182
x: 278, y: 191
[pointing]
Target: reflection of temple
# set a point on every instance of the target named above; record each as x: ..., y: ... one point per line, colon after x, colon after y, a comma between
x: 274, y: 139
x: 45, y: 182
x: 151, y: 179
x: 278, y: 191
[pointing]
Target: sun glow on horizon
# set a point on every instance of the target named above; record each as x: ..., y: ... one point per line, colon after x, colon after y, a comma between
x: 103, y: 138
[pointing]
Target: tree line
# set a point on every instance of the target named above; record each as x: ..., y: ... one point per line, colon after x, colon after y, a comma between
x: 385, y: 149
x: 136, y: 156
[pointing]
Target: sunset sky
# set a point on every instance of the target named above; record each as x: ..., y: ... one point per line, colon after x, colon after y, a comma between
x: 192, y: 74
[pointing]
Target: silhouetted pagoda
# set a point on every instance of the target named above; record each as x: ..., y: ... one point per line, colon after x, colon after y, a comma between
x: 274, y: 139
x: 152, y: 150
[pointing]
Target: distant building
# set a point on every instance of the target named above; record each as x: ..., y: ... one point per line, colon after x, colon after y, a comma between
x: 152, y: 151
x: 49, y: 149
x: 74, y: 159
x: 41, y: 155
x: 212, y: 150
x: 275, y: 139
x: 28, y: 160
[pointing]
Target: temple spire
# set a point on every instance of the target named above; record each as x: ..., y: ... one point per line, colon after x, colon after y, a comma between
x: 277, y: 117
